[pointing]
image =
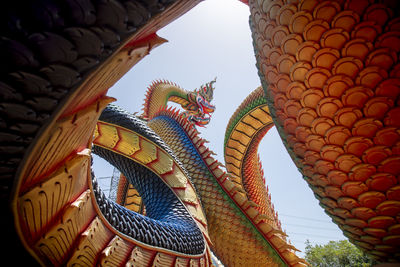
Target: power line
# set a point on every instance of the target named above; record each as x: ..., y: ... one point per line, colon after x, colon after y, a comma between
x: 297, y: 241
x: 104, y: 177
x: 307, y: 234
x: 311, y: 227
x: 305, y: 218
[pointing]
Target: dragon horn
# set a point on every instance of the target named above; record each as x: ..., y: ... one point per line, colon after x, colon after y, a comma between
x: 208, y: 89
x: 209, y: 85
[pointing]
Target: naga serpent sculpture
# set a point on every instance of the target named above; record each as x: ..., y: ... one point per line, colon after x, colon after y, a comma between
x: 331, y: 85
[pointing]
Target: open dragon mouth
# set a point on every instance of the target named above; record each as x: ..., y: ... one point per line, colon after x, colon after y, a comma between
x: 205, y: 106
x: 198, y: 109
x: 200, y: 121
x: 202, y: 115
x: 198, y: 118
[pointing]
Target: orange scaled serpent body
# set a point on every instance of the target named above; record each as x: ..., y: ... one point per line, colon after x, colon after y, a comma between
x: 330, y: 83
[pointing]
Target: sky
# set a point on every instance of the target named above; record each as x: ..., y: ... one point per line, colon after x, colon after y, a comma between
x: 214, y: 40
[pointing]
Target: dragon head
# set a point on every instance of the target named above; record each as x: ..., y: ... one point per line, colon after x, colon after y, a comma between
x: 199, y: 107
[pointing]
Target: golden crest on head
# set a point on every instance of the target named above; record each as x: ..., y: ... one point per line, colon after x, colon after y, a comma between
x: 207, y: 90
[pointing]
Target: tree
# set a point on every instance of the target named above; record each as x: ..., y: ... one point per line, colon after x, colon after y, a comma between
x: 336, y: 254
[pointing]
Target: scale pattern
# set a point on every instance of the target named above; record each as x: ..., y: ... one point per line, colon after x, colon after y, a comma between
x: 59, y: 60
x: 330, y: 70
x: 167, y: 223
x: 240, y: 234
x: 244, y: 132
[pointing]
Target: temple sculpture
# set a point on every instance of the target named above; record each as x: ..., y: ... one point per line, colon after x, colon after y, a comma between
x: 330, y: 83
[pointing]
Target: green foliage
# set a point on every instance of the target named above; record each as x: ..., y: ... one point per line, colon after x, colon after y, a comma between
x: 336, y: 254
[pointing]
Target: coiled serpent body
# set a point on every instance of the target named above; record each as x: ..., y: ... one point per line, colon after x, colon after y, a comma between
x: 331, y: 77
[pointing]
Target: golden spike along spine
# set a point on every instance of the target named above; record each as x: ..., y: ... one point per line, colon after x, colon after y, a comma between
x: 68, y: 129
x: 116, y: 250
x: 232, y: 189
x: 91, y: 243
x: 143, y: 151
x: 61, y: 238
x: 71, y: 133
x: 157, y: 96
x: 81, y: 213
x: 326, y: 67
x: 71, y: 182
x: 55, y: 182
x: 245, y: 130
